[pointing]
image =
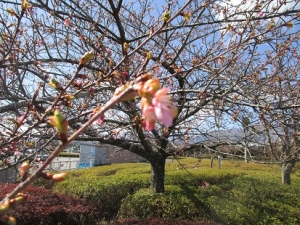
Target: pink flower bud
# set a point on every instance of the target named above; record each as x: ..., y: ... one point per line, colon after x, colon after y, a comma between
x: 91, y: 91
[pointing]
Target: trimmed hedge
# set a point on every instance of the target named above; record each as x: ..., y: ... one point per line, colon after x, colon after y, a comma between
x: 176, y: 203
x: 257, y: 200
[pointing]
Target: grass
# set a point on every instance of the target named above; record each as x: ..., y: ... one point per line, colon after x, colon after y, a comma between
x: 239, y: 193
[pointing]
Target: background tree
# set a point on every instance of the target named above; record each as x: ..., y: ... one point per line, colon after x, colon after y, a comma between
x: 218, y: 59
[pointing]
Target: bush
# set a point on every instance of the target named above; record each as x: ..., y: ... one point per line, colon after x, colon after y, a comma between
x: 257, y: 200
x: 108, y: 190
x: 44, y: 207
x: 177, y: 202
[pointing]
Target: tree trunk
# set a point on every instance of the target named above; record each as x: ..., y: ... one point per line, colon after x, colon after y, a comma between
x: 286, y: 170
x: 158, y: 174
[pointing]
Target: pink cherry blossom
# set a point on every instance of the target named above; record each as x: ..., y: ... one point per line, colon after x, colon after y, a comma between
x: 100, y: 120
x: 17, y: 153
x: 150, y: 118
x: 30, y: 10
x: 165, y: 111
x: 67, y: 22
x: 260, y: 14
x: 21, y: 119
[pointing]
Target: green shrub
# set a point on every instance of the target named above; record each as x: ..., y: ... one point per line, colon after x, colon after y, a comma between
x: 177, y: 202
x: 257, y: 200
x: 103, y: 185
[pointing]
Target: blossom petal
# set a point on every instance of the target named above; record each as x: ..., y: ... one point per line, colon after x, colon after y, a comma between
x: 165, y: 111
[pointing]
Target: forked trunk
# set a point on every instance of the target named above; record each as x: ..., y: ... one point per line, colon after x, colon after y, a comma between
x: 158, y: 175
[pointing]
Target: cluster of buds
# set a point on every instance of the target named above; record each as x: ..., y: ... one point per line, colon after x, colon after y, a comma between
x: 9, y: 220
x: 68, y: 98
x: 156, y: 104
x: 11, y: 204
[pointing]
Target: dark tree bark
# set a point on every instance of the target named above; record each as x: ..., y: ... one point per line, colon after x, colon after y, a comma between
x: 158, y: 174
x: 286, y: 170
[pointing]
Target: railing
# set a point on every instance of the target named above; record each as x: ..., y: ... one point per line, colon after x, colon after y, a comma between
x: 63, y: 165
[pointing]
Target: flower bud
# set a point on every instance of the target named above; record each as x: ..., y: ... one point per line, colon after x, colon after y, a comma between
x: 116, y: 73
x: 150, y: 87
x: 54, y: 83
x: 186, y: 16
x: 11, y: 12
x: 289, y: 25
x: 91, y: 91
x: 125, y: 47
x: 59, y: 121
x: 24, y: 5
x: 131, y: 95
x: 69, y: 97
x: 59, y: 177
x: 8, y: 220
x: 149, y: 55
x: 86, y: 58
x: 111, y: 63
x: 24, y: 168
x: 4, y: 207
x: 46, y: 176
x: 166, y: 16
